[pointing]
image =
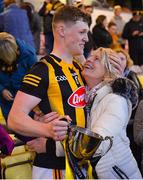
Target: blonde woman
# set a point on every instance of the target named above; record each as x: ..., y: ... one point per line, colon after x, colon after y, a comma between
x: 16, y: 58
x: 111, y: 99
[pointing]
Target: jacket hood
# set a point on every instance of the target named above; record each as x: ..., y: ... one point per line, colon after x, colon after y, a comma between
x: 127, y: 89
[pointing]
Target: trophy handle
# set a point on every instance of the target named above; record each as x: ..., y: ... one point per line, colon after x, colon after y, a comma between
x: 110, y: 145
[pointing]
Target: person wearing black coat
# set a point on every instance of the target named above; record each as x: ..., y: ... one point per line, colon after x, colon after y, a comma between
x: 101, y: 37
x: 133, y: 32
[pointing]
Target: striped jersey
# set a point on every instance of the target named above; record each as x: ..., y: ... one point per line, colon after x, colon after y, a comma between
x: 60, y: 87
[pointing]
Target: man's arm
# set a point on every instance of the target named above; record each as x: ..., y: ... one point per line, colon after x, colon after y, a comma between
x: 22, y: 123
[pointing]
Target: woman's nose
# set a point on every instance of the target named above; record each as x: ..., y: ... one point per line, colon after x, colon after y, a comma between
x: 86, y: 38
x: 89, y: 60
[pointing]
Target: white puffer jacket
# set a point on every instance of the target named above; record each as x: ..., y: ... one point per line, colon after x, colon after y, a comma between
x: 109, y: 116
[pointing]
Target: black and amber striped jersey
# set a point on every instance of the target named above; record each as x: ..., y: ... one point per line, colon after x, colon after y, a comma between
x: 60, y: 87
x: 54, y: 6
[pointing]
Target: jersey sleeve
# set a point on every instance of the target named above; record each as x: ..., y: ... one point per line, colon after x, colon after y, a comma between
x: 36, y: 81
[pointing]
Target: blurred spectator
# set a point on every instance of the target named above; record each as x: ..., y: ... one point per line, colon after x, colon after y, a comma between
x: 101, y: 3
x: 35, y: 23
x: 14, y: 20
x: 138, y: 129
x: 133, y: 32
x: 126, y: 63
x: 112, y: 28
x: 1, y: 6
x: 46, y: 11
x: 79, y: 5
x: 16, y: 58
x: 118, y: 20
x: 88, y: 9
x: 6, y: 143
x: 101, y: 37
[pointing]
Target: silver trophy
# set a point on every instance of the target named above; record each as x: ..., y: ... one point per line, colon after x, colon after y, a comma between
x: 81, y: 148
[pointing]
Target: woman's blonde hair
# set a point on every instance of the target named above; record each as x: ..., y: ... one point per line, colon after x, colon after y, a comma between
x: 111, y: 71
x: 129, y: 60
x: 8, y: 48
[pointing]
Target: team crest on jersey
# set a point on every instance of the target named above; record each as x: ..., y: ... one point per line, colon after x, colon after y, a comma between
x: 77, y: 98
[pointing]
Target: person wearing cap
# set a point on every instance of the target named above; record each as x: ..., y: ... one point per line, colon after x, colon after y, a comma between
x: 118, y: 20
x: 133, y: 32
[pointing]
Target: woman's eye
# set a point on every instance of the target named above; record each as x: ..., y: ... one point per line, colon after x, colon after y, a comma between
x: 122, y: 59
x: 96, y: 59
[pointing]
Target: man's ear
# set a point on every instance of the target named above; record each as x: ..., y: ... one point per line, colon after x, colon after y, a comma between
x: 61, y: 30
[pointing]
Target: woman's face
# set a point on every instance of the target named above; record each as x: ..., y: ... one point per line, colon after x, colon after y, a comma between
x: 123, y: 60
x: 94, y: 69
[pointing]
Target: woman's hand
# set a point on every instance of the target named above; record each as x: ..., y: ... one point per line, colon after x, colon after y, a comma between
x: 115, y: 60
x: 39, y: 116
x: 38, y: 145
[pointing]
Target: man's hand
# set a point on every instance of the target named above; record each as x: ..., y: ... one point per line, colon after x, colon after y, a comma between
x: 56, y: 126
x: 57, y: 129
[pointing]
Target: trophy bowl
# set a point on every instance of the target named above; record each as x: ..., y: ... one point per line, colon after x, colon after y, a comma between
x: 82, y: 146
x: 83, y: 143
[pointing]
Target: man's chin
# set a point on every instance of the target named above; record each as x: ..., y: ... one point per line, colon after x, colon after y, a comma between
x: 79, y: 53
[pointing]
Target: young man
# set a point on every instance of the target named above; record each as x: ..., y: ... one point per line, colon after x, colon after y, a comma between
x: 54, y: 84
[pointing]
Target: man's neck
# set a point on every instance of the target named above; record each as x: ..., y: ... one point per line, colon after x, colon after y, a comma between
x: 65, y: 56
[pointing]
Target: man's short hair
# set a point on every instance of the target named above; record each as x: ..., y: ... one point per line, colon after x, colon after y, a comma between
x: 69, y: 14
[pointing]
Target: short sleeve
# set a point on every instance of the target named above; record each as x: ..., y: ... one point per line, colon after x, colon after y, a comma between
x: 36, y: 82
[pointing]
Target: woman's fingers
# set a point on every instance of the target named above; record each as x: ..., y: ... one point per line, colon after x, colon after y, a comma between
x: 115, y: 60
x: 47, y: 117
